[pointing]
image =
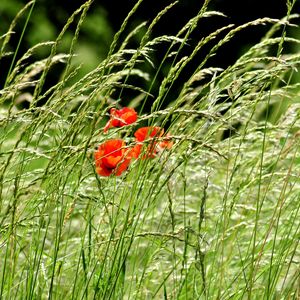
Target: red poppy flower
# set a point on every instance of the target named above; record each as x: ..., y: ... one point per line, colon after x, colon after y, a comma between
x: 167, y: 143
x: 112, y: 158
x: 121, y: 117
x: 143, y: 134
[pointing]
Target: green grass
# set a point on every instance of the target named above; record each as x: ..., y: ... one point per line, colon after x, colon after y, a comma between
x: 216, y: 217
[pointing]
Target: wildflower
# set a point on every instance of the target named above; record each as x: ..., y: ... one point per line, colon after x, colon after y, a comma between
x: 112, y: 158
x: 144, y: 133
x: 167, y: 143
x: 121, y: 117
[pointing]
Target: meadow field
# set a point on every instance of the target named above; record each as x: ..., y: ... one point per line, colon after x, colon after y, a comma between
x: 204, y: 205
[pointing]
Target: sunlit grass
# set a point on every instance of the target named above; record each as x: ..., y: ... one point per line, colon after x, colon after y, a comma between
x: 216, y: 217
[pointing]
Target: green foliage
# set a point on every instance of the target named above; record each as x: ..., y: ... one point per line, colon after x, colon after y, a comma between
x: 217, y: 217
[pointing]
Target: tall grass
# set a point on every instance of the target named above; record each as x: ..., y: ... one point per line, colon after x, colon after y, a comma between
x: 217, y: 217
